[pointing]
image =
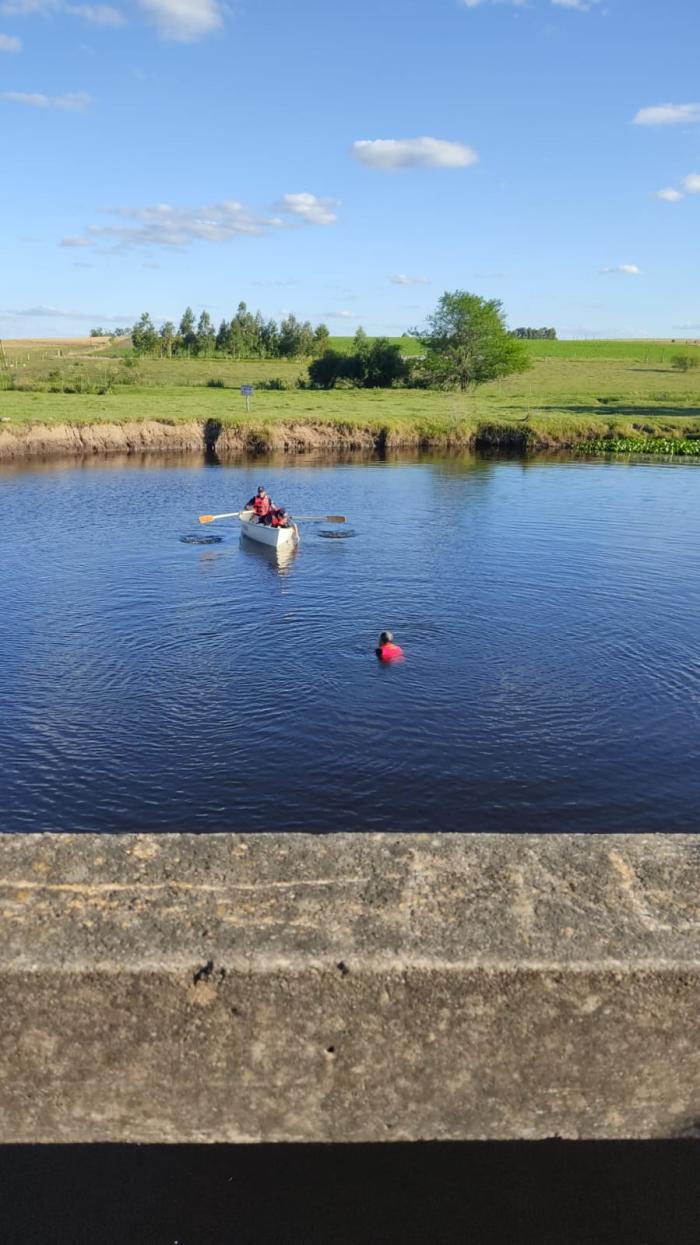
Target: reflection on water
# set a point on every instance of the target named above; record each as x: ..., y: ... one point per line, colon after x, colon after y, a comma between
x: 279, y: 559
x: 548, y: 612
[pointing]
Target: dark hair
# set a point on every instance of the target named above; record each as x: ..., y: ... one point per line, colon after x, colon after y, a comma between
x: 386, y: 637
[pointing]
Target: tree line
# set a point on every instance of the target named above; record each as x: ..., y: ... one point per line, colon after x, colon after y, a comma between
x: 465, y: 343
x: 535, y: 334
x: 244, y: 336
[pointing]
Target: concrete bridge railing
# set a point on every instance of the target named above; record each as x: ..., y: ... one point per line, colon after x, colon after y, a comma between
x: 185, y: 988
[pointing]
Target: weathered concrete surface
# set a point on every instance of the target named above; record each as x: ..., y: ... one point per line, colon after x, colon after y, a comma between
x: 346, y: 988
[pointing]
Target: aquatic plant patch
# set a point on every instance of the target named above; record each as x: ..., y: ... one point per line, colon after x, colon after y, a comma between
x: 684, y: 446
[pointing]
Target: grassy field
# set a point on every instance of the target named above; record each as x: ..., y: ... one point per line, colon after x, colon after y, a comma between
x: 637, y: 351
x: 574, y: 391
x: 407, y: 345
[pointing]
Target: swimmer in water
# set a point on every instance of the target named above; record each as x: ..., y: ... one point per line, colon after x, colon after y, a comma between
x: 386, y: 649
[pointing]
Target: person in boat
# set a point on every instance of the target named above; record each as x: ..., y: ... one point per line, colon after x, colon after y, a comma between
x: 262, y: 505
x: 386, y: 649
x: 280, y: 518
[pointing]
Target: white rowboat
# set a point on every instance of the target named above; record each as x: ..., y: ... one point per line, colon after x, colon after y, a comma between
x: 273, y: 537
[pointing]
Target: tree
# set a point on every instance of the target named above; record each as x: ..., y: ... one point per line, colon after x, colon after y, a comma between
x: 144, y: 336
x: 269, y: 339
x: 361, y: 343
x: 321, y: 339
x: 466, y: 342
x: 384, y: 365
x: 377, y: 365
x: 167, y: 337
x: 332, y: 366
x: 244, y: 336
x: 206, y: 335
x: 186, y: 331
x: 222, y: 337
x: 290, y: 337
x: 535, y: 334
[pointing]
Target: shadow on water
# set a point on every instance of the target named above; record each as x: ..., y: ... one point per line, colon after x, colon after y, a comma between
x: 610, y: 408
x: 196, y: 538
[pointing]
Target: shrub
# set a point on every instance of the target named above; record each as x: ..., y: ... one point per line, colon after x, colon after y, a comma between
x: 215, y: 382
x: 684, y: 362
x: 275, y: 383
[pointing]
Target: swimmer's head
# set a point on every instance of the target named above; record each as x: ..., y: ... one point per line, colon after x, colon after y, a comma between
x: 387, y: 637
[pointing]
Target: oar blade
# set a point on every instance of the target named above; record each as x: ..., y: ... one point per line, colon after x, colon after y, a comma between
x: 206, y: 518
x: 319, y: 518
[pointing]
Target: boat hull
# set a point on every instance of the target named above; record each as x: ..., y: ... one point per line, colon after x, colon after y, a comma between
x: 273, y: 537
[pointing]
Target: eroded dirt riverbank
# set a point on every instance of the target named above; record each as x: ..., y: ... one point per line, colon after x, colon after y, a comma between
x: 42, y: 440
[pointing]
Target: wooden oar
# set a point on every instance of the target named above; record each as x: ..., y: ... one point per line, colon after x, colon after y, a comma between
x: 209, y: 518
x: 307, y: 518
x: 319, y: 518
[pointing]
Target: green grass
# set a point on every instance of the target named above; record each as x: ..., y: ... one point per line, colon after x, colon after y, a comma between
x: 646, y: 352
x: 562, y: 400
x: 407, y: 345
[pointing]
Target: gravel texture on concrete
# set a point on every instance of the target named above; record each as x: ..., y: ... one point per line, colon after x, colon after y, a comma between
x: 189, y: 988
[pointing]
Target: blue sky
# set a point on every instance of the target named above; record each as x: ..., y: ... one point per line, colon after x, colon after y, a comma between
x: 351, y: 162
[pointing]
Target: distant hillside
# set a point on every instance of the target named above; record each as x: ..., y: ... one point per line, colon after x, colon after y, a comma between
x: 641, y: 350
x: 407, y: 345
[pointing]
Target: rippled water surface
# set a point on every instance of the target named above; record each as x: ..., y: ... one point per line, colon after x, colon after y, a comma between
x: 549, y: 613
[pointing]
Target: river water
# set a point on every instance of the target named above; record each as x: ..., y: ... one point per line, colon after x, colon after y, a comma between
x: 548, y: 611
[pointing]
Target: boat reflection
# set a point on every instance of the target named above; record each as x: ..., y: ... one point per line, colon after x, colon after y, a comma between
x: 279, y: 560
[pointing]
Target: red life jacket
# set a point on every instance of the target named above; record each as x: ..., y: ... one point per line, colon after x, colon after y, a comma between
x: 261, y: 506
x: 390, y: 652
x: 278, y: 520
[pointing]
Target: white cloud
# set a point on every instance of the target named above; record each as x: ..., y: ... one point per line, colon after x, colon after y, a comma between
x: 405, y: 153
x: 43, y: 312
x: 402, y: 278
x: 691, y: 183
x: 22, y: 8
x: 8, y: 43
x: 668, y: 114
x: 183, y: 21
x: 98, y: 14
x: 72, y: 101
x: 344, y: 314
x: 581, y: 6
x: 622, y: 270
x: 311, y: 209
x: 669, y: 194
x: 163, y: 225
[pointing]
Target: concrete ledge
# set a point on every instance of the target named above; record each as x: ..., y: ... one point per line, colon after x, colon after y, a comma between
x: 348, y: 988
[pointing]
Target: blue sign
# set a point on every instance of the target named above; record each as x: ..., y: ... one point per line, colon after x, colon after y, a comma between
x: 247, y: 390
